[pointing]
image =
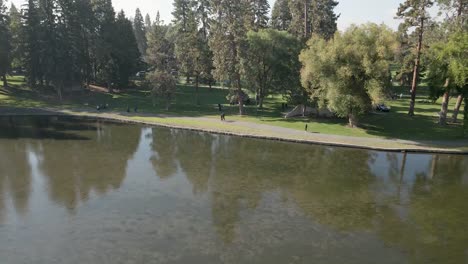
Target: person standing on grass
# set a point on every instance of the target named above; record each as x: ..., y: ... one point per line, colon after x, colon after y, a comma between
x: 223, y: 116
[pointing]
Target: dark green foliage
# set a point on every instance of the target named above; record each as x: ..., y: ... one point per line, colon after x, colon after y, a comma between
x: 16, y: 31
x: 271, y: 64
x: 323, y: 18
x: 227, y: 42
x: 257, y: 14
x: 5, y: 43
x: 281, y: 15
x: 126, y: 50
x: 69, y: 44
x: 313, y: 17
x: 140, y: 31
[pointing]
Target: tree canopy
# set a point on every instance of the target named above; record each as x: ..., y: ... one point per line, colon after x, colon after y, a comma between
x: 350, y: 72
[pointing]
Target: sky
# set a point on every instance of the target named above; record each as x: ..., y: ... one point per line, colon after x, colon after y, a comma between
x: 352, y: 11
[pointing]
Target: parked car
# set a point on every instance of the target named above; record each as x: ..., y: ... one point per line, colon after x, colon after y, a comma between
x: 383, y: 108
x: 141, y: 74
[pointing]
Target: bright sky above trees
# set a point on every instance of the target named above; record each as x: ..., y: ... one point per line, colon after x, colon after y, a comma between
x: 352, y: 11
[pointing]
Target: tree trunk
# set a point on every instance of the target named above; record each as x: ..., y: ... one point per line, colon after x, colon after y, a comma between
x: 414, y: 85
x: 240, y: 96
x: 444, y: 110
x: 306, y: 18
x: 352, y: 120
x: 465, y: 118
x: 197, y: 79
x: 5, y: 82
x: 59, y: 91
x: 456, y: 110
x: 261, y: 98
x: 109, y: 87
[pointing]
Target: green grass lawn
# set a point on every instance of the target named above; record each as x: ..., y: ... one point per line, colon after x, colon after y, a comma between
x: 396, y: 124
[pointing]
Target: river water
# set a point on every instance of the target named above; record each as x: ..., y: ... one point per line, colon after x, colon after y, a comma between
x: 76, y: 191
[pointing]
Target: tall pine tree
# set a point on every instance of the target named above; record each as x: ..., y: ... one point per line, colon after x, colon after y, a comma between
x: 281, y: 15
x: 228, y: 42
x: 5, y: 45
x: 31, y: 43
x: 126, y: 50
x: 16, y: 31
x: 140, y: 31
x: 415, y: 14
x: 313, y: 17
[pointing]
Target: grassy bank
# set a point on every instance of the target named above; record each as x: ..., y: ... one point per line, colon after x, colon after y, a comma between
x: 396, y: 124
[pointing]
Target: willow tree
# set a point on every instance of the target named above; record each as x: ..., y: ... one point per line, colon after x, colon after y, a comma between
x: 350, y: 72
x: 415, y: 14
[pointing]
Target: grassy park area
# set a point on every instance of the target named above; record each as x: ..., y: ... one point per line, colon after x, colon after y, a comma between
x: 396, y: 124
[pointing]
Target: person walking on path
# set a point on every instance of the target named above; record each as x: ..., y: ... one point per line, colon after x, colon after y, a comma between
x: 223, y: 117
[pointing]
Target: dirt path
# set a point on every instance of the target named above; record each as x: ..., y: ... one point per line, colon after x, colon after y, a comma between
x: 255, y: 130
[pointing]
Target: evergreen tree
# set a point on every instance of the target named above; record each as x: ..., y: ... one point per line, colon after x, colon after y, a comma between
x: 204, y: 63
x: 16, y: 31
x: 182, y: 12
x: 160, y: 53
x: 105, y: 64
x: 84, y: 25
x: 257, y: 14
x: 323, y: 18
x: 313, y: 16
x: 126, y: 50
x: 48, y: 40
x: 227, y: 42
x: 190, y: 44
x: 203, y: 9
x: 300, y: 18
x: 160, y: 56
x: 5, y: 43
x: 416, y: 15
x: 147, y: 23
x: 140, y: 31
x: 31, y: 43
x: 281, y: 15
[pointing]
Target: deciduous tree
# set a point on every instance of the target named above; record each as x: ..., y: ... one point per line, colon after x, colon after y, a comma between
x: 350, y: 72
x: 271, y: 63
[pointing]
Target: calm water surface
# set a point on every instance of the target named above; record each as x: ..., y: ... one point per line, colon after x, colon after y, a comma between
x: 91, y: 192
